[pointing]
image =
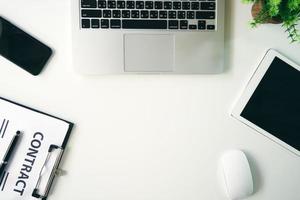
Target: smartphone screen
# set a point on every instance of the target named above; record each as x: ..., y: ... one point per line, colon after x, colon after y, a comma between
x: 22, y: 49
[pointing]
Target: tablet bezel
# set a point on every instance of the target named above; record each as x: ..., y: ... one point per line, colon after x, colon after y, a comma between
x: 251, y: 87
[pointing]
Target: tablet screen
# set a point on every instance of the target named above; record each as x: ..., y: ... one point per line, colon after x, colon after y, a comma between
x: 275, y: 104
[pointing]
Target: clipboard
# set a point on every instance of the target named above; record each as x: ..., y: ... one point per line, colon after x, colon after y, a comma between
x: 47, y: 154
x: 46, y: 177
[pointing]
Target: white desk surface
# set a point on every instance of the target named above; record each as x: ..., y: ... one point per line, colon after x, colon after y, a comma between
x: 150, y: 137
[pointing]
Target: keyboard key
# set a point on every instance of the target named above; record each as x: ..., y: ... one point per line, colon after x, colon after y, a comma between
x: 116, y: 13
x: 125, y: 13
x: 176, y: 5
x: 195, y: 6
x: 101, y: 4
x: 121, y: 4
x: 135, y: 14
x: 172, y: 14
x: 153, y: 14
x: 167, y: 5
x: 158, y: 5
x: 190, y: 14
x: 85, y: 23
x: 130, y: 4
x: 149, y: 5
x: 95, y: 23
x: 111, y: 4
x: 186, y: 5
x: 104, y: 23
x: 205, y: 15
x: 115, y: 23
x: 163, y: 14
x: 201, y: 24
x: 181, y: 14
x: 211, y: 27
x: 144, y: 14
x: 88, y: 4
x: 91, y: 13
x: 183, y: 24
x: 208, y: 5
x: 144, y: 24
x: 173, y: 24
x: 139, y: 5
x: 192, y: 27
x: 107, y: 13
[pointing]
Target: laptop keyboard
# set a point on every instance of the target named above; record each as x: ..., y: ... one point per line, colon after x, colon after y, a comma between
x: 197, y: 15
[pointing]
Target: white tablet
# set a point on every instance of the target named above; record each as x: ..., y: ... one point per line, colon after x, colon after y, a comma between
x: 270, y: 103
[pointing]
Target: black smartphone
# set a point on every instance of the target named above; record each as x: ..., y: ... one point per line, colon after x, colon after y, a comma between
x: 22, y: 49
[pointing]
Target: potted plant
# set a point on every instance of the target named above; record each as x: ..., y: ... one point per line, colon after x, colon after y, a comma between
x: 285, y: 12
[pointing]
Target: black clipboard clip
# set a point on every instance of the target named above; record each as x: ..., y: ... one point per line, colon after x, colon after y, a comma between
x: 48, y: 172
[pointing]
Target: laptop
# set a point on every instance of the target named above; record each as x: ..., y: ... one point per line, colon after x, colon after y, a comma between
x: 152, y: 36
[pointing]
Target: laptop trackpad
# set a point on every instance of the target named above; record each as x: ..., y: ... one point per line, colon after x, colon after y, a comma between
x: 149, y: 52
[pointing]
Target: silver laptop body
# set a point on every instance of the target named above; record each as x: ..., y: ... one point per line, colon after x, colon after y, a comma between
x: 176, y: 37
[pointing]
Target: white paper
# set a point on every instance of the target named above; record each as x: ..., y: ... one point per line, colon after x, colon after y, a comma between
x: 39, y: 131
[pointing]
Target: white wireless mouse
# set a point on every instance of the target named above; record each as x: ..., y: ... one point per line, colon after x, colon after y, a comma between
x: 237, y: 174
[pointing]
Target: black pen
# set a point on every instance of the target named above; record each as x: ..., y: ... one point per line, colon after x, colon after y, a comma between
x: 9, y: 152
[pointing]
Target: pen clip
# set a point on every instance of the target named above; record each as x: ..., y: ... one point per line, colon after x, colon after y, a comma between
x: 48, y: 172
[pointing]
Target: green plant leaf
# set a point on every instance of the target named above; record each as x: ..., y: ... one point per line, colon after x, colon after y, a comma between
x: 286, y: 10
